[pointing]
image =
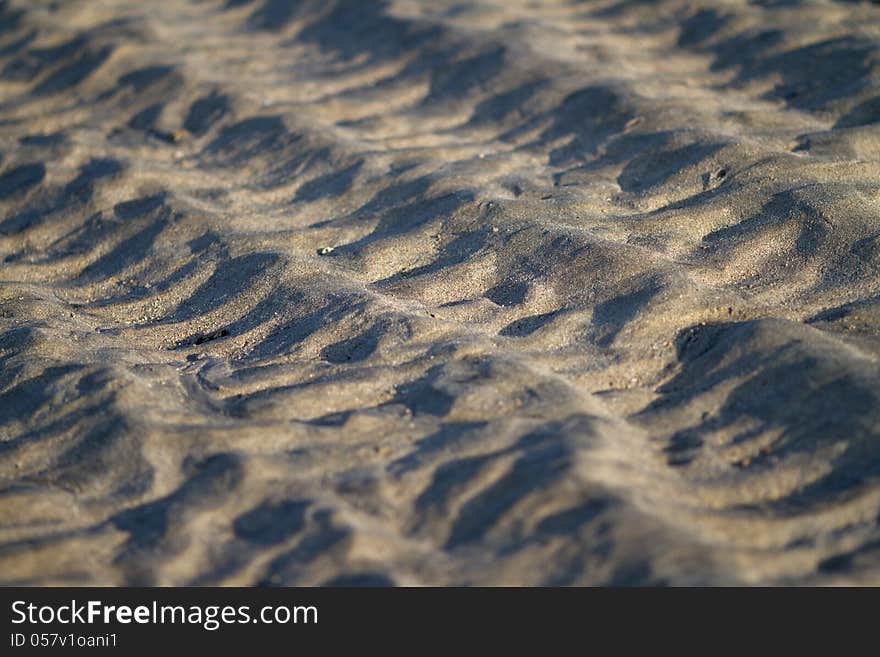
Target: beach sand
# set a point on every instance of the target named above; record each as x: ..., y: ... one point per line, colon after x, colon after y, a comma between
x: 439, y: 293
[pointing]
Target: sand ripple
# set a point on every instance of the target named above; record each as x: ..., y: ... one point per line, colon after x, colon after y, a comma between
x: 411, y: 292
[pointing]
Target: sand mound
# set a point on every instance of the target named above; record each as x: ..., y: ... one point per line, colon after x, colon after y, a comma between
x: 439, y: 293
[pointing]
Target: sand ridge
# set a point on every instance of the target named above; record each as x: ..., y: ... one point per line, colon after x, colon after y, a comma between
x: 350, y: 292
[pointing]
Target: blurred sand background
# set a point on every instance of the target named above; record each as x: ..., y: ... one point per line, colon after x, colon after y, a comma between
x: 439, y: 292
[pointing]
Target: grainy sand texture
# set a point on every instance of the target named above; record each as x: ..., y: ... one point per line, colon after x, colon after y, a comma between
x: 483, y: 292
